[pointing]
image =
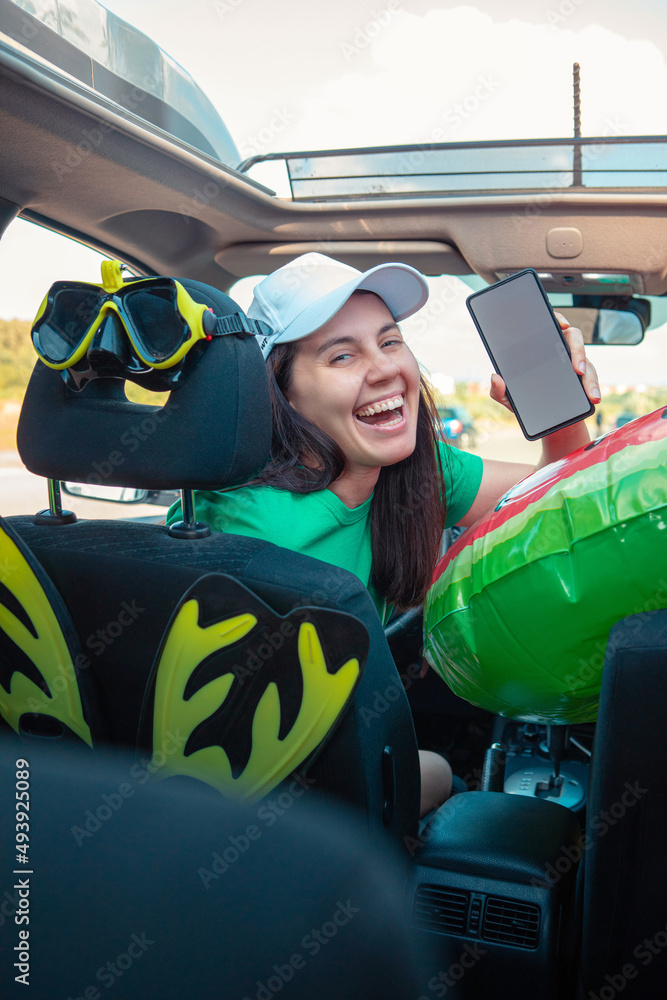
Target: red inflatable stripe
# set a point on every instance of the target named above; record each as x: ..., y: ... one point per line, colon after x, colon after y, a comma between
x: 650, y: 427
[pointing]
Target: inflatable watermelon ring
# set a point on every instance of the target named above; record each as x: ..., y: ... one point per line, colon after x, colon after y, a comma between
x: 519, y: 611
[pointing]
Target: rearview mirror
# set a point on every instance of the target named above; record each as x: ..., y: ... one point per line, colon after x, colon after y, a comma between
x: 607, y: 320
x: 604, y: 326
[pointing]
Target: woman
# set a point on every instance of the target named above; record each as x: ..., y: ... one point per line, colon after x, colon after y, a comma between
x: 359, y: 476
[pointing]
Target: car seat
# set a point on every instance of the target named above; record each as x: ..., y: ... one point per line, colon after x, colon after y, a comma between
x: 144, y: 890
x: 122, y: 581
x: 624, y: 943
x: 555, y: 910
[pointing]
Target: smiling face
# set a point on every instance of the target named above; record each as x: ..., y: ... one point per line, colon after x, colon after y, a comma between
x: 358, y: 381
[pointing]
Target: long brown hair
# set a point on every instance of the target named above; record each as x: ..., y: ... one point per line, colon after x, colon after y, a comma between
x: 408, y: 506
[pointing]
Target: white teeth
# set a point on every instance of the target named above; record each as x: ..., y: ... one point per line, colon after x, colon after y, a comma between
x: 385, y: 404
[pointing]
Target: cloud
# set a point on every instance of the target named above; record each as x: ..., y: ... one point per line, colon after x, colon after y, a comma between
x: 365, y: 77
x: 456, y: 74
x: 425, y: 73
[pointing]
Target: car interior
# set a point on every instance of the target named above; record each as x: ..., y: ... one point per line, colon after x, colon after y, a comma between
x: 548, y: 876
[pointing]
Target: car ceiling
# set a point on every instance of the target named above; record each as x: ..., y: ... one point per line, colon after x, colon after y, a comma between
x: 86, y: 167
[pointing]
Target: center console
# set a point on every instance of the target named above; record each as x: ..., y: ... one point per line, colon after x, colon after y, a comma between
x: 494, y: 880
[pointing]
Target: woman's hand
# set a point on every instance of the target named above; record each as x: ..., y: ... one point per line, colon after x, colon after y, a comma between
x: 560, y: 443
x: 580, y: 363
x: 498, y: 477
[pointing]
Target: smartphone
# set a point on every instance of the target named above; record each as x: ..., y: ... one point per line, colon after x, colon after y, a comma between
x: 527, y: 348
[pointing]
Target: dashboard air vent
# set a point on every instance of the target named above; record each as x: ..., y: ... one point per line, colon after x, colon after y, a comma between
x: 511, y: 922
x: 438, y: 909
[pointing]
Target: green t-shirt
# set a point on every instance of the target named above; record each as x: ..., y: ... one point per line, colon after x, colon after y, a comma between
x: 319, y: 524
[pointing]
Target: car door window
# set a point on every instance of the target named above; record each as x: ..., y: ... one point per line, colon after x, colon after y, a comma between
x: 31, y: 259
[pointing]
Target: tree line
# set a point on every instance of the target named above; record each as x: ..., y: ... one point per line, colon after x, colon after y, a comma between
x: 17, y: 357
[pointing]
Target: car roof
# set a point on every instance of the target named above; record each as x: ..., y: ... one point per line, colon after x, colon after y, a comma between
x: 86, y: 166
x: 96, y: 47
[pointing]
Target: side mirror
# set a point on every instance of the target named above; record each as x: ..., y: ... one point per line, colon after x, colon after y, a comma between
x: 120, y: 494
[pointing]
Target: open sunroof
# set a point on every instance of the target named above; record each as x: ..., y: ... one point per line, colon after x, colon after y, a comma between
x: 636, y: 163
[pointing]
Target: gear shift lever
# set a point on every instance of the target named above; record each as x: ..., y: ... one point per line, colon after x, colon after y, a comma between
x: 557, y: 742
x: 493, y: 774
x: 546, y: 781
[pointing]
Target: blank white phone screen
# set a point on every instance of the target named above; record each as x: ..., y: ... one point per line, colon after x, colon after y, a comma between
x: 529, y: 354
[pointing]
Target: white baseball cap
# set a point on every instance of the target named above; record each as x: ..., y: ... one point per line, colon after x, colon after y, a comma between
x: 303, y: 295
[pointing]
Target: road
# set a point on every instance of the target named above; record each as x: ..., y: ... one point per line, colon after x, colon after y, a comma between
x: 23, y: 493
x: 509, y: 446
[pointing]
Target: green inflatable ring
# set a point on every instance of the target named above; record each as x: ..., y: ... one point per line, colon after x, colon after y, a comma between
x: 519, y: 611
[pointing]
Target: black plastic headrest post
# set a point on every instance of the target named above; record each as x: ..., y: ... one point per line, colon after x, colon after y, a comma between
x: 188, y: 527
x: 55, y: 515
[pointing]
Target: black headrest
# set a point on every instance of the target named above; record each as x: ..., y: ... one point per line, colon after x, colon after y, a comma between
x: 214, y: 430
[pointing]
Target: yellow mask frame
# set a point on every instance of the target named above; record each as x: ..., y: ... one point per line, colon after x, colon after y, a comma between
x: 188, y: 313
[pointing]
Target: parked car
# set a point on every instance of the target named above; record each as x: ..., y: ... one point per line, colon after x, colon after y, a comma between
x: 492, y: 886
x: 458, y: 426
x: 625, y: 418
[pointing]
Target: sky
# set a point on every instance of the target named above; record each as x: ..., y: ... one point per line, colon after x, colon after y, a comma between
x: 358, y: 72
x: 307, y: 74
